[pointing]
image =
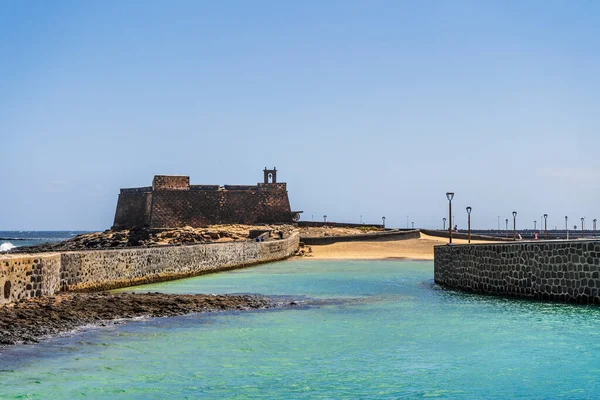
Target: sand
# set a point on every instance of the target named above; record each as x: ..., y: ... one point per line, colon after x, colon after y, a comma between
x: 412, y: 249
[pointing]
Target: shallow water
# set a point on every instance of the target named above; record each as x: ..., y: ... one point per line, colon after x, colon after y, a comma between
x: 397, y: 337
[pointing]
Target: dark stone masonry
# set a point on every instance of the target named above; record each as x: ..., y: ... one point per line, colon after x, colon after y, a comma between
x: 566, y: 271
x: 172, y: 202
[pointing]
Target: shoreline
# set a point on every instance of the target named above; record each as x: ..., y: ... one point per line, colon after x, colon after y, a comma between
x: 420, y: 249
x: 32, y: 320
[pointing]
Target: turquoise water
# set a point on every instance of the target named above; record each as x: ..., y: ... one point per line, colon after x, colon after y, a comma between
x: 394, y: 335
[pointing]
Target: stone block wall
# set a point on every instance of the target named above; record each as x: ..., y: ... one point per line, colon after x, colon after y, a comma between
x: 172, y: 202
x: 171, y: 182
x: 133, y: 208
x: 109, y: 269
x: 34, y: 275
x: 200, y: 208
x: 28, y: 275
x: 384, y: 236
x: 567, y: 271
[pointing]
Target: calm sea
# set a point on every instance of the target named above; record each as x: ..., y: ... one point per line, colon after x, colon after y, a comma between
x: 390, y: 334
x: 12, y: 239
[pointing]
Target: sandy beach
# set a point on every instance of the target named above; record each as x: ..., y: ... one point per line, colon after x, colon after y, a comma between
x: 412, y: 249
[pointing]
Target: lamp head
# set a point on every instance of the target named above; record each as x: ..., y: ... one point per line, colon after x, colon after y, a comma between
x: 469, y: 210
x: 514, y: 214
x: 545, y: 216
x: 450, y: 195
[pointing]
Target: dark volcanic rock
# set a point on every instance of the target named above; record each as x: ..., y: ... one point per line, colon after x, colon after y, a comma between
x: 29, y: 320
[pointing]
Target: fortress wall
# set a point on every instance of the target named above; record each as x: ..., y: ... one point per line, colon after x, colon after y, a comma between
x: 28, y: 275
x: 197, y: 208
x: 44, y: 274
x: 109, y: 269
x: 132, y: 209
x: 567, y: 271
x: 182, y: 208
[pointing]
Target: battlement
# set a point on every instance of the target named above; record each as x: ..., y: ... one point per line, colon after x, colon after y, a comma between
x: 171, y: 182
x: 172, y: 202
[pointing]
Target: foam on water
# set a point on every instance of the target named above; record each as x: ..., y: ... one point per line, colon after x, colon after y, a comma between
x: 6, y: 246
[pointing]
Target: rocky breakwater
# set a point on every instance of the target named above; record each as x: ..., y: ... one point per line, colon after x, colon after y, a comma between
x: 30, y: 320
x: 147, y: 237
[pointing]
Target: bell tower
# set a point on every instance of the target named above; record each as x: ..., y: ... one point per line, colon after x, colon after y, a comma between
x: 270, y: 175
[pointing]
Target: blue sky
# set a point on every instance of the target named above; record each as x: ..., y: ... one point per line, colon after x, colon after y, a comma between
x: 366, y: 108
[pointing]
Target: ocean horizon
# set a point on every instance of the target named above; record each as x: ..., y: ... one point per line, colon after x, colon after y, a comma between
x: 11, y: 239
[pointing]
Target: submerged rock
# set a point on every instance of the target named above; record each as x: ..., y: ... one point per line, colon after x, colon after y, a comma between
x: 29, y: 320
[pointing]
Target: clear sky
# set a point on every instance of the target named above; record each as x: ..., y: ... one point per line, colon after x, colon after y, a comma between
x: 366, y: 108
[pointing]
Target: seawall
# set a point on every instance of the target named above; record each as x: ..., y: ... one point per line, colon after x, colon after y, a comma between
x: 44, y: 274
x: 375, y: 236
x: 567, y: 271
x: 462, y: 235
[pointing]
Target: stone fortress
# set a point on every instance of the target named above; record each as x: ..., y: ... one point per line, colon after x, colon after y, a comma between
x: 172, y: 202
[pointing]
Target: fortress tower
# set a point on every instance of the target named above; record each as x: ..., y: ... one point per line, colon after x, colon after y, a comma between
x: 172, y: 202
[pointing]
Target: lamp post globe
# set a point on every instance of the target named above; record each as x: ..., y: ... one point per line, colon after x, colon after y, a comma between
x: 469, y: 222
x: 450, y: 196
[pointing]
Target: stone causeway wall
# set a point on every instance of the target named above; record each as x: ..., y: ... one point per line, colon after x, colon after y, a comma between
x: 390, y: 235
x: 566, y: 271
x: 28, y: 275
x: 44, y: 274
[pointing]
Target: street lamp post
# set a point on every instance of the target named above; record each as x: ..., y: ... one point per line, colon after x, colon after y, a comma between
x: 594, y: 221
x: 545, y: 226
x: 534, y: 225
x: 567, y: 226
x: 413, y: 225
x: 361, y: 219
x: 582, y: 221
x: 324, y: 219
x: 450, y: 196
x: 444, y: 219
x: 506, y: 227
x: 469, y: 221
x: 514, y: 225
x: 383, y: 219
